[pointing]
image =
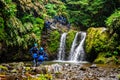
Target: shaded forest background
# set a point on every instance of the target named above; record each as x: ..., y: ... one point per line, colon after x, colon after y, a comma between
x: 22, y: 23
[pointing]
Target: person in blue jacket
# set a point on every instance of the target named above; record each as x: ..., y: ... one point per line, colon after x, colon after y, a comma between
x: 34, y: 51
x: 42, y: 56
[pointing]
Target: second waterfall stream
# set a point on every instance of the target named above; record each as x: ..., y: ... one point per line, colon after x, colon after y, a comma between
x: 77, y: 48
x: 79, y: 52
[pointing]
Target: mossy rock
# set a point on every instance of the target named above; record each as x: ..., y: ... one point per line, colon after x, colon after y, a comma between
x: 96, y: 41
x: 100, y: 59
x: 70, y: 37
x: 54, y: 42
x: 96, y: 37
x: 4, y: 68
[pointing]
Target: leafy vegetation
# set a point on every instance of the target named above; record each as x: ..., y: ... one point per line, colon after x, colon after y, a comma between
x: 40, y: 77
x: 53, y: 45
x: 90, y: 13
x: 113, y: 22
x: 69, y: 39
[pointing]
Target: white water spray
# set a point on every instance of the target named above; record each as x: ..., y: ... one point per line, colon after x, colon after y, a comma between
x: 79, y: 51
x: 61, y: 54
x: 74, y: 44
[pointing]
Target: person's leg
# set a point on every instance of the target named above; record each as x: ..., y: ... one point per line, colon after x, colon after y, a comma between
x: 34, y: 62
x: 39, y: 62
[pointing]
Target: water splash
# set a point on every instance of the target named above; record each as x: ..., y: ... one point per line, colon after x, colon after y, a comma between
x: 61, y: 53
x: 103, y: 29
x: 79, y: 51
x: 74, y: 44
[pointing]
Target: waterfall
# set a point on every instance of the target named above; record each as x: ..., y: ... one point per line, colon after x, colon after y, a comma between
x: 79, y: 51
x: 61, y: 53
x: 73, y: 45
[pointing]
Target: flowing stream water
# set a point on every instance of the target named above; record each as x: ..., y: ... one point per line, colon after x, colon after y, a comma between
x: 74, y: 44
x: 79, y: 51
x: 61, y: 53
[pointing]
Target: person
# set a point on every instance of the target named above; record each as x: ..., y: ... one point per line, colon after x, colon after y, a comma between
x: 34, y: 51
x: 42, y: 56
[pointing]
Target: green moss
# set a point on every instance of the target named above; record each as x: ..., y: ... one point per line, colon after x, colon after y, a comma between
x: 118, y: 76
x: 96, y: 39
x: 96, y: 42
x: 100, y: 59
x: 3, y: 68
x: 2, y: 34
x: 54, y: 42
x: 69, y: 39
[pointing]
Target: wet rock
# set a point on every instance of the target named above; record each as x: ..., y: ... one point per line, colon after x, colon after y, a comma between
x: 13, y: 77
x: 62, y: 72
x: 75, y: 78
x: 54, y: 68
x: 44, y: 70
x: 38, y: 70
x: 112, y: 76
x: 83, y: 68
x: 28, y: 74
x: 67, y: 65
x: 93, y: 66
x: 2, y: 77
x: 3, y: 69
x: 14, y: 71
x: 59, y: 75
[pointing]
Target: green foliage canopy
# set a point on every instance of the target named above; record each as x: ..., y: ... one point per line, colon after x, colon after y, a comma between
x: 113, y: 22
x: 89, y: 13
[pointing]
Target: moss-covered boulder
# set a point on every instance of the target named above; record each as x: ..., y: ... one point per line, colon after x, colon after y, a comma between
x: 101, y: 46
x: 70, y: 37
x: 96, y: 41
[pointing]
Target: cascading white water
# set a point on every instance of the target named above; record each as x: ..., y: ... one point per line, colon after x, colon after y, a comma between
x: 61, y: 53
x: 79, y: 51
x: 73, y: 46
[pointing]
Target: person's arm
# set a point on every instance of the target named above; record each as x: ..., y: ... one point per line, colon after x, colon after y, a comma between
x: 45, y: 54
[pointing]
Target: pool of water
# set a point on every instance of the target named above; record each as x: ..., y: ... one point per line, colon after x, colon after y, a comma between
x: 85, y: 63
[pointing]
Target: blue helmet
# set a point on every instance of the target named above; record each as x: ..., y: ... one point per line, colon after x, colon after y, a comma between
x: 41, y: 49
x: 35, y: 45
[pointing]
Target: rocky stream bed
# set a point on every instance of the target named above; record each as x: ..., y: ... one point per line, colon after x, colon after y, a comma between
x: 58, y: 71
